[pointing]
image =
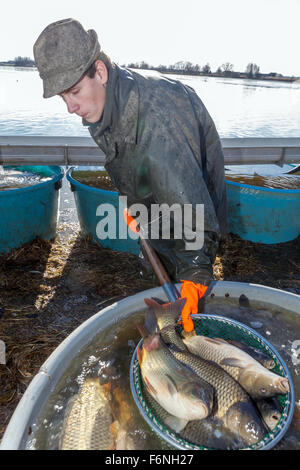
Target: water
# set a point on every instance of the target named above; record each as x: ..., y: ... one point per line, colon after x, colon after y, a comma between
x: 108, y: 357
x: 273, y: 182
x: 239, y: 107
x: 10, y: 178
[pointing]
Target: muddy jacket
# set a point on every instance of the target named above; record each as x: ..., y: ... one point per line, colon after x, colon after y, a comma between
x: 162, y: 146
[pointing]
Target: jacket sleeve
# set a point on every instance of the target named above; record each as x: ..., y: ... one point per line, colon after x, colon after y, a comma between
x: 175, y: 177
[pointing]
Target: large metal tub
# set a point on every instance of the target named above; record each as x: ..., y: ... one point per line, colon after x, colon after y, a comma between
x: 42, y: 385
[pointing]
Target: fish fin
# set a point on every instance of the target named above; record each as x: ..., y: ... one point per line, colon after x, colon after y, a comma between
x: 237, y: 344
x: 233, y: 362
x: 172, y: 308
x: 177, y: 424
x: 114, y: 429
x: 221, y: 340
x: 217, y: 341
x: 171, y: 385
x: 150, y: 387
x: 157, y: 300
x: 139, y: 355
x: 151, y: 325
x: 152, y: 342
x: 107, y: 387
x: 143, y: 331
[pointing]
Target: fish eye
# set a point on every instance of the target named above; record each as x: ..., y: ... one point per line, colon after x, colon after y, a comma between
x: 263, y: 390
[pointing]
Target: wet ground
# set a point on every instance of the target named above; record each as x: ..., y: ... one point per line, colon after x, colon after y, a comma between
x: 47, y: 289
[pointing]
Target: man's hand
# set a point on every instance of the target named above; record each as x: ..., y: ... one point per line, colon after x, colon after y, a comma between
x: 192, y: 292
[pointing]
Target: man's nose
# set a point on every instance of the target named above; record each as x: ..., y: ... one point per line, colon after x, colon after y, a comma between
x: 72, y: 107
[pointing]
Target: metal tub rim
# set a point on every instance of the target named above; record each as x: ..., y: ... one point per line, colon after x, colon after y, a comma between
x: 260, y: 188
x: 58, y: 174
x: 85, y: 186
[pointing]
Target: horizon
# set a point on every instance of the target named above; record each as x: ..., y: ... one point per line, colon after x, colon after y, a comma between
x: 169, y: 69
x: 263, y: 32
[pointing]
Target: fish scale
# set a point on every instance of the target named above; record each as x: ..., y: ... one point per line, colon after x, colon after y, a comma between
x: 200, y: 432
x: 88, y: 419
x: 227, y: 390
x: 252, y: 376
x: 160, y: 370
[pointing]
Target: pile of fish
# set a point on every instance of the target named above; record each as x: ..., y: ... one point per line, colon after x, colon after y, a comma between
x: 97, y: 418
x: 10, y: 178
x: 211, y: 392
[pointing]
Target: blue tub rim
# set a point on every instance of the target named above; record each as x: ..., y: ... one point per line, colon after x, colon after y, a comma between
x: 85, y: 186
x: 58, y: 170
x: 260, y: 188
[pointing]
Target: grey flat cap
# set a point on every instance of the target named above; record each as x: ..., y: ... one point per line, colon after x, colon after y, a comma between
x: 62, y: 53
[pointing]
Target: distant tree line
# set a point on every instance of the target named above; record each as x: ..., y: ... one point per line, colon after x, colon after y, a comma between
x: 180, y: 67
x: 225, y: 70
x: 24, y: 61
x: 20, y: 62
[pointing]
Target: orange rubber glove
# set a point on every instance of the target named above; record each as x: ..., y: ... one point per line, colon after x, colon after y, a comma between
x: 192, y: 292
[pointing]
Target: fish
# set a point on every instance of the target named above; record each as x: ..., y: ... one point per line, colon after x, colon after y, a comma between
x: 163, y: 318
x: 88, y: 419
x: 257, y: 354
x: 295, y: 424
x: 123, y: 418
x: 269, y: 410
x: 208, y: 432
x: 233, y: 406
x: 181, y: 392
x: 258, y: 381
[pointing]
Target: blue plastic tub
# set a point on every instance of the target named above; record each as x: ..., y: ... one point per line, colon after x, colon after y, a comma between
x: 263, y: 215
x: 31, y: 211
x: 88, y: 201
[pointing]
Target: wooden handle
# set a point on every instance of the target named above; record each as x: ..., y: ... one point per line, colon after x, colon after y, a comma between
x: 155, y: 262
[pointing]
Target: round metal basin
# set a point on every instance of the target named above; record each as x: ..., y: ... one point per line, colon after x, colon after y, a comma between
x: 43, y: 384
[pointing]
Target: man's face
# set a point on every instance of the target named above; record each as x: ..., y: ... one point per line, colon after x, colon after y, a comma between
x: 87, y: 97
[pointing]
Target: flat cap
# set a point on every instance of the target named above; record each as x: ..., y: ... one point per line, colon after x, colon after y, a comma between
x: 63, y: 52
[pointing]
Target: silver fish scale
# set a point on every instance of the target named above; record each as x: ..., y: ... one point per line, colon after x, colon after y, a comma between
x: 88, y: 420
x: 227, y: 390
x: 211, y: 354
x: 200, y: 432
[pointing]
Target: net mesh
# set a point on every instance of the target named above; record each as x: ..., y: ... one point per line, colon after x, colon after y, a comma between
x: 214, y: 327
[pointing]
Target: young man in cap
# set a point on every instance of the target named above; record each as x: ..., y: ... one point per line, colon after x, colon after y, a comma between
x: 161, y: 144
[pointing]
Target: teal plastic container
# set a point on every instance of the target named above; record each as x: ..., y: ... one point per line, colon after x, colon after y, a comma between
x: 263, y: 215
x: 101, y: 216
x: 26, y: 213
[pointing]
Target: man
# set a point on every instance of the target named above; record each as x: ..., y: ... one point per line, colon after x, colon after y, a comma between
x: 160, y: 143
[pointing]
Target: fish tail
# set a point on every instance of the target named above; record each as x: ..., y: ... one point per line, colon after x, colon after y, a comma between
x: 151, y: 325
x: 139, y: 355
x: 143, y: 331
x: 172, y: 308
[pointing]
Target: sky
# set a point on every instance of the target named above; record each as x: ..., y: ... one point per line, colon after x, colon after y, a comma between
x: 265, y: 32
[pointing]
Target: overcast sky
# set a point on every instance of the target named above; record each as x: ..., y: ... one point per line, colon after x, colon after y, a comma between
x: 265, y: 32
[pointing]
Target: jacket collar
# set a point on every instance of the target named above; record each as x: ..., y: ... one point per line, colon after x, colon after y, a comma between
x: 120, y: 114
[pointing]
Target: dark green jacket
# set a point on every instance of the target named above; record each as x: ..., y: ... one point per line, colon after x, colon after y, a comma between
x: 162, y: 146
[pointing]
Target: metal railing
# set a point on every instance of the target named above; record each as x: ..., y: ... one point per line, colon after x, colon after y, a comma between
x: 27, y: 150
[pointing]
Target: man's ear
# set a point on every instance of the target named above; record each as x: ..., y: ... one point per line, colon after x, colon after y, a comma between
x: 101, y: 71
